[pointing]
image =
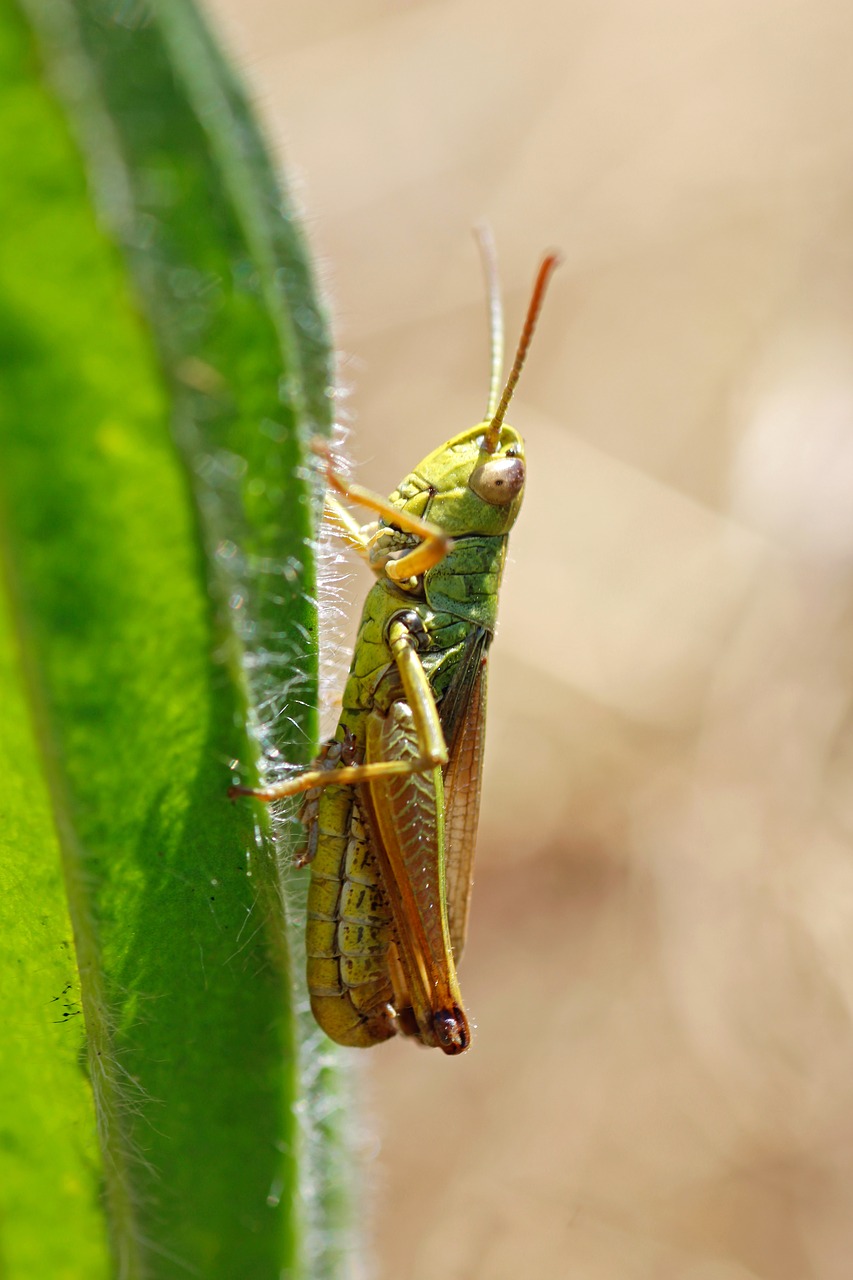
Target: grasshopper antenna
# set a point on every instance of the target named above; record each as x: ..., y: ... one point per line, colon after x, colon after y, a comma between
x: 547, y: 267
x: 488, y: 254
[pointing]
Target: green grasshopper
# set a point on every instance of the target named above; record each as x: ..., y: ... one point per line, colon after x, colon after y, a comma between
x: 393, y: 799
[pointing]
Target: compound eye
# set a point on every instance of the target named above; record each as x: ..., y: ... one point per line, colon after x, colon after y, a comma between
x: 498, y: 481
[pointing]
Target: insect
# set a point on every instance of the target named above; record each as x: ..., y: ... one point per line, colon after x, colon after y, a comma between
x: 392, y: 801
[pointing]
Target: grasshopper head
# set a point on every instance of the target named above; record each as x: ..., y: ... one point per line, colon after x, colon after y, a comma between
x: 474, y: 483
x: 468, y: 489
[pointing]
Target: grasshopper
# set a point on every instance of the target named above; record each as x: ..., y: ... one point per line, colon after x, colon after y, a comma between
x: 392, y: 801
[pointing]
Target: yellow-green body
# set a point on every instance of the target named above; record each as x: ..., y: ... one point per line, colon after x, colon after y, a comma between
x: 351, y: 933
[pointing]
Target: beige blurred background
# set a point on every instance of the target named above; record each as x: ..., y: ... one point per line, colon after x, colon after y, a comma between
x: 660, y: 961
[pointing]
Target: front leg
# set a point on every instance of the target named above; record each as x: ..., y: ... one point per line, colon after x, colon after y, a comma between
x: 434, y: 544
x: 355, y: 535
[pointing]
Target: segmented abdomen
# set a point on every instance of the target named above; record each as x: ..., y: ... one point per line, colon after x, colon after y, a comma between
x: 349, y: 927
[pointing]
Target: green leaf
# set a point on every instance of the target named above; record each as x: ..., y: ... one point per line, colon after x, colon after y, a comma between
x: 165, y: 363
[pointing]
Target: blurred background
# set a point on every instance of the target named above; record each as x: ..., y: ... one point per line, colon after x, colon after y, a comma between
x: 660, y: 960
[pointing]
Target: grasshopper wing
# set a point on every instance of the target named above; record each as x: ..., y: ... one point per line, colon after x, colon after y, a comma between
x: 406, y: 814
x: 463, y: 716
